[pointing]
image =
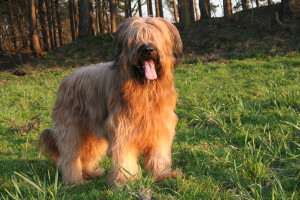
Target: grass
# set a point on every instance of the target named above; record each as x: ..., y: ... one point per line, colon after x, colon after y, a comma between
x: 238, y: 135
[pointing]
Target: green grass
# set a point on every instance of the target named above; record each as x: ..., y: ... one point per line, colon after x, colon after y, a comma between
x: 238, y: 135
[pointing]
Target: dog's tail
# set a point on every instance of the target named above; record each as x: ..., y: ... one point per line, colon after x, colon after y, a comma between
x: 47, y: 143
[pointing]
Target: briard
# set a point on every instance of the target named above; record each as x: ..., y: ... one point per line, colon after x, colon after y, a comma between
x: 125, y: 107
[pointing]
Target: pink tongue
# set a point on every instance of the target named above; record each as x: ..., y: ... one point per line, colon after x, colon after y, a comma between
x: 150, y: 72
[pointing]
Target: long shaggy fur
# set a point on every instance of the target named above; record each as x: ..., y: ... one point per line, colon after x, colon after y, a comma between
x: 114, y: 106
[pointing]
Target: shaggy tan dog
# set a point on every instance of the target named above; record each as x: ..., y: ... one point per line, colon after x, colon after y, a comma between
x: 125, y: 106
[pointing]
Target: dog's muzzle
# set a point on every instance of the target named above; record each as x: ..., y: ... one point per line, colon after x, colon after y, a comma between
x: 148, y: 61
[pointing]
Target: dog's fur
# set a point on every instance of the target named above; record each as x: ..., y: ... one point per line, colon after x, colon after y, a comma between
x: 113, y: 106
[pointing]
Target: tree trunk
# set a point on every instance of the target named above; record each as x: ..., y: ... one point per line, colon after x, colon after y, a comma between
x: 196, y: 10
x: 270, y: 2
x: 227, y: 7
x: 191, y: 10
x: 149, y: 8
x: 113, y: 15
x: 175, y: 10
x: 126, y: 9
x: 106, y: 23
x: 75, y: 8
x: 33, y: 28
x: 157, y: 8
x: 71, y: 16
x: 161, y: 10
x: 140, y: 8
x: 54, y: 23
x: 43, y: 22
x: 50, y: 23
x: 59, y: 26
x: 204, y: 6
x: 11, y: 26
x: 245, y: 4
x: 185, y: 18
x: 129, y: 8
x: 21, y: 25
x: 257, y: 3
x: 288, y: 7
x: 84, y: 19
x: 100, y: 16
x: 92, y: 19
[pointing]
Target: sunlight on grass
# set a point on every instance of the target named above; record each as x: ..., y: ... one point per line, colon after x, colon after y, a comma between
x: 237, y: 137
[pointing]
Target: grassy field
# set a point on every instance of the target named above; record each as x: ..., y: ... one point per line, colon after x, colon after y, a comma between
x: 238, y: 135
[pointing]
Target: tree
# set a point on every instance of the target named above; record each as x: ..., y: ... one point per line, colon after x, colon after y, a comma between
x: 113, y: 15
x: 59, y: 26
x: 205, y: 9
x: 196, y: 10
x: 288, y: 7
x: 191, y: 10
x: 34, y: 37
x: 43, y: 23
x: 184, y: 13
x: 50, y: 22
x: 149, y: 7
x: 270, y: 2
x: 84, y: 19
x: 140, y: 8
x: 72, y: 21
x: 245, y: 4
x: 175, y: 10
x: 11, y: 25
x: 227, y: 7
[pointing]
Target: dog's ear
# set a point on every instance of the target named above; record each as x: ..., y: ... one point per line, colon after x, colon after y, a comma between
x: 177, y: 43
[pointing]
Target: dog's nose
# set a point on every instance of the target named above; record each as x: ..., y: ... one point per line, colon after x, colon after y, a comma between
x: 147, y: 50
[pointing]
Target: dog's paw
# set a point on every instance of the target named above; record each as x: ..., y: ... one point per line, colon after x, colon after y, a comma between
x: 170, y: 174
x: 94, y: 173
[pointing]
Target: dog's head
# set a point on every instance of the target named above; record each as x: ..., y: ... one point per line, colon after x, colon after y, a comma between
x: 146, y: 46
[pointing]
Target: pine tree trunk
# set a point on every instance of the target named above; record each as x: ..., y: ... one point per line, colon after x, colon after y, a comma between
x: 149, y: 8
x: 71, y: 17
x: 100, y: 16
x: 157, y: 13
x: 50, y: 23
x: 92, y: 18
x: 161, y: 10
x: 227, y: 7
x: 245, y: 4
x: 129, y: 8
x: 84, y: 19
x: 196, y: 10
x: 54, y: 24
x: 191, y: 10
x: 270, y: 2
x: 43, y: 22
x: 59, y: 26
x: 11, y: 26
x: 185, y: 18
x: 204, y: 6
x: 140, y: 8
x: 33, y: 28
x: 113, y: 15
x: 126, y: 9
x: 288, y: 7
x: 21, y: 25
x: 257, y: 3
x: 175, y: 10
x: 75, y: 8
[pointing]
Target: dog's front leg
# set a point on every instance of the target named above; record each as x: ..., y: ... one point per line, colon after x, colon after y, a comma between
x: 124, y: 167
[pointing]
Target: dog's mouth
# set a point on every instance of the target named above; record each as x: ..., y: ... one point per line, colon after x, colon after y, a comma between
x: 147, y: 67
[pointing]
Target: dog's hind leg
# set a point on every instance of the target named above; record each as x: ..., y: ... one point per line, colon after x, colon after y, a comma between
x: 93, y: 151
x: 69, y: 143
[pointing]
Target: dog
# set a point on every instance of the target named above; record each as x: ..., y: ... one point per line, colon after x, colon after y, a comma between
x: 125, y: 107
